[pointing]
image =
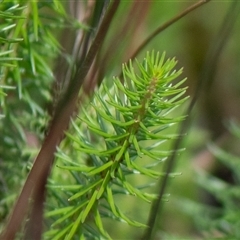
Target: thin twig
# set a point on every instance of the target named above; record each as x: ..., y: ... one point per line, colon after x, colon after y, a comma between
x: 166, y: 25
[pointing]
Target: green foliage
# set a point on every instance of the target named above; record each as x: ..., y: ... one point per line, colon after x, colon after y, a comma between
x: 113, y: 152
x: 110, y: 141
x: 28, y: 49
x: 8, y: 43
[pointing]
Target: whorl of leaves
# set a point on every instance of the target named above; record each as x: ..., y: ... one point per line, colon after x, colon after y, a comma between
x: 121, y: 126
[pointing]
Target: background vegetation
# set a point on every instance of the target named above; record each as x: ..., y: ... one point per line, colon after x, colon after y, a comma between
x: 43, y: 43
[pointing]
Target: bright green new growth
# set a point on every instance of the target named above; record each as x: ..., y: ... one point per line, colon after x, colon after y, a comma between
x: 114, y: 133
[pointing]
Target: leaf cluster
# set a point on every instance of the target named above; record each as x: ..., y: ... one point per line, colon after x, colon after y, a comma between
x: 120, y: 134
x: 115, y: 132
x: 9, y: 15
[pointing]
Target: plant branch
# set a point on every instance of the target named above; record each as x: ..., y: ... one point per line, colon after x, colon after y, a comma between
x: 37, y: 177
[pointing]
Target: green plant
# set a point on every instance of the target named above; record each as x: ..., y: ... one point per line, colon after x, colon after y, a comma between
x: 121, y: 132
x: 120, y: 128
x: 8, y: 60
x: 26, y: 77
